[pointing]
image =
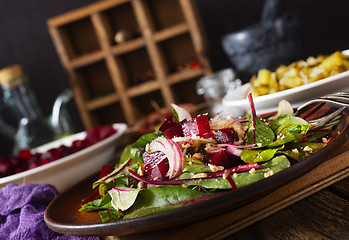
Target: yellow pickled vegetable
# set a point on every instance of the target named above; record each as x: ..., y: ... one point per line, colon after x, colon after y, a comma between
x: 298, y: 73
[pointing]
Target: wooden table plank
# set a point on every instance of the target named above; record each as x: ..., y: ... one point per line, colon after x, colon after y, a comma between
x: 321, y: 216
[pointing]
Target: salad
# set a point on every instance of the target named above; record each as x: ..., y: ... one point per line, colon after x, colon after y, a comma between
x: 193, y: 159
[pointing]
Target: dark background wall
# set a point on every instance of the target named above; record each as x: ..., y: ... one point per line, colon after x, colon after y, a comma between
x: 25, y: 39
x: 323, y: 23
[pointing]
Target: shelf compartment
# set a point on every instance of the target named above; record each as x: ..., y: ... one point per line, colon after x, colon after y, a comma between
x: 120, y: 18
x: 105, y: 75
x: 96, y: 80
x: 178, y: 51
x: 136, y: 65
x: 75, y: 35
x: 164, y: 13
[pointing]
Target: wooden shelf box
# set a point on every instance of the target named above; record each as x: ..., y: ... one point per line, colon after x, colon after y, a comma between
x: 116, y: 81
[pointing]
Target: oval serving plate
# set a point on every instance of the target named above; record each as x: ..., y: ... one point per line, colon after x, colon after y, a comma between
x: 63, y: 216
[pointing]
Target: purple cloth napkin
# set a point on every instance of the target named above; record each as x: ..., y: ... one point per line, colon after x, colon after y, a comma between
x: 22, y: 210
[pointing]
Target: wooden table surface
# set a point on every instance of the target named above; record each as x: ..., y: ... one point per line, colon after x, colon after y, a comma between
x: 315, y: 206
x: 323, y: 215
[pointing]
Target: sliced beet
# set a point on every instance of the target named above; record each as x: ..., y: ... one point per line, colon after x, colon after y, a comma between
x: 78, y: 145
x: 218, y: 158
x: 174, y: 131
x: 169, y: 122
x: 51, y: 155
x: 25, y: 159
x: 105, y: 131
x: 106, y: 169
x: 25, y: 154
x: 99, y: 133
x: 155, y: 165
x: 159, y: 171
x: 226, y: 135
x: 199, y: 126
x: 235, y: 160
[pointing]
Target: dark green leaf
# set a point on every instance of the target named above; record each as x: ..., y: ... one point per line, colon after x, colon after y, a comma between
x: 261, y: 134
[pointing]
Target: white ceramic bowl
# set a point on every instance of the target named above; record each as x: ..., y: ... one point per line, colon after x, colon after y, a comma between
x: 67, y: 171
x: 296, y: 96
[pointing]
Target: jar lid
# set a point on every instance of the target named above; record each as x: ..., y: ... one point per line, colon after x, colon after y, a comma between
x: 10, y: 74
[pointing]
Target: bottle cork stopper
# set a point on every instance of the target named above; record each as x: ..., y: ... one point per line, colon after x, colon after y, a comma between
x: 9, y: 75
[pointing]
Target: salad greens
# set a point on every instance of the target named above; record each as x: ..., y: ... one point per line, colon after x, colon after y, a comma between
x: 191, y: 159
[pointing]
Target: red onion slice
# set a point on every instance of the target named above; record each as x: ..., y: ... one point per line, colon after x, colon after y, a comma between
x: 172, y: 152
